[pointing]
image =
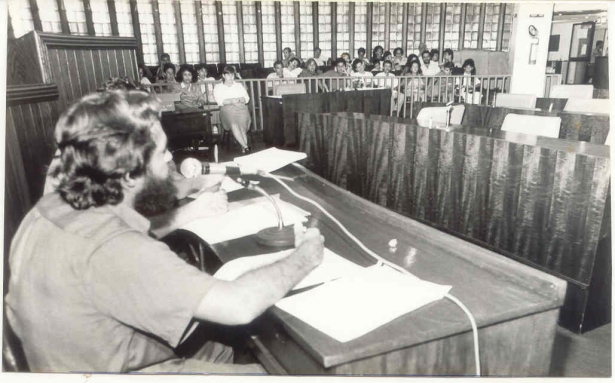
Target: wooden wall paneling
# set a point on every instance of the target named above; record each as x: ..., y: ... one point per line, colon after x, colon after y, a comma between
x: 157, y: 27
x: 24, y: 65
x: 200, y: 30
x: 481, y: 26
x: 334, y: 30
x: 10, y: 32
x: 297, y: 17
x: 130, y: 56
x: 136, y: 29
x: 278, y: 27
x: 500, y: 36
x: 370, y: 20
x: 81, y: 78
x: 113, y: 18
x: 351, y: 21
x: 259, y: 32
x: 315, y: 23
x: 180, y: 31
x: 242, y: 50
x: 63, y: 19
x: 378, y: 134
x: 36, y: 17
x: 97, y: 67
x: 89, y: 22
x: 220, y: 25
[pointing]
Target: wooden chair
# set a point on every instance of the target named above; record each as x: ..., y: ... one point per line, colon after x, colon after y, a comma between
x: 536, y: 125
x: 512, y: 100
x: 572, y: 91
x: 581, y: 105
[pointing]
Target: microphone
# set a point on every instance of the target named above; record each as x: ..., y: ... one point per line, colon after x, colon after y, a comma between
x: 191, y: 167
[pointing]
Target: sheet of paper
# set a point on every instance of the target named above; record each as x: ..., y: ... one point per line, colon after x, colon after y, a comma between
x: 270, y: 159
x: 350, y: 307
x: 332, y: 267
x: 228, y: 185
x: 245, y: 218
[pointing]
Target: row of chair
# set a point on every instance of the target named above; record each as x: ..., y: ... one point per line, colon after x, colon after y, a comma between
x: 579, y: 99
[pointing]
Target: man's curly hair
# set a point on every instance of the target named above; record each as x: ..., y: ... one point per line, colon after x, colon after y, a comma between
x: 102, y: 137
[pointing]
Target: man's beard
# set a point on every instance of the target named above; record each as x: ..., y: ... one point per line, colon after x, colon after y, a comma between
x: 156, y: 197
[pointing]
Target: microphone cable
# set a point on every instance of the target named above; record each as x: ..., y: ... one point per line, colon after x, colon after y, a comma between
x: 382, y: 261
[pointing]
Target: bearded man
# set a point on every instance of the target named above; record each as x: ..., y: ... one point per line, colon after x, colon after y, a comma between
x: 91, y: 290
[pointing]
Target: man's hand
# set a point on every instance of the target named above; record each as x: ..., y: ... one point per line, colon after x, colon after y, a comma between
x: 310, y: 244
x: 207, y: 182
x: 209, y: 205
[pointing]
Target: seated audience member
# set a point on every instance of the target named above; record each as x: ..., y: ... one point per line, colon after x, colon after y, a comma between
x: 338, y: 70
x: 169, y: 84
x: 206, y: 84
x: 348, y: 62
x: 361, y: 56
x: 387, y: 79
x: 411, y: 57
x: 233, y: 99
x: 467, y: 84
x: 320, y: 60
x: 144, y: 75
x: 435, y: 55
x: 415, y: 86
x: 278, y: 74
x: 378, y: 52
x: 164, y: 60
x: 376, y: 66
x: 91, y: 291
x: 398, y: 57
x: 310, y: 71
x: 190, y: 95
x: 288, y: 54
x: 293, y: 69
x: 387, y: 56
x: 428, y: 67
x: 362, y: 78
x: 446, y: 86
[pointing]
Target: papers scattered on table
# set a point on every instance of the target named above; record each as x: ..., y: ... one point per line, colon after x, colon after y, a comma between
x: 352, y: 306
x: 230, y: 185
x: 270, y: 159
x: 332, y: 267
x: 245, y: 218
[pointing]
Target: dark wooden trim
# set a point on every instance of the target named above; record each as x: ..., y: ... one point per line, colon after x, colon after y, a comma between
x: 220, y: 25
x: 462, y: 26
x: 10, y: 32
x: 501, y: 16
x: 259, y: 32
x: 442, y: 26
x: 200, y: 30
x: 481, y: 26
x: 277, y: 7
x: 31, y: 93
x: 242, y: 49
x: 63, y: 19
x: 334, y: 29
x: 36, y: 17
x: 423, y: 22
x: 115, y: 31
x: 136, y: 29
x: 157, y: 27
x: 315, y: 24
x: 370, y: 20
x: 89, y: 22
x: 297, y: 17
x: 56, y: 40
x: 387, y: 24
x: 180, y: 30
x: 351, y: 21
x: 404, y: 29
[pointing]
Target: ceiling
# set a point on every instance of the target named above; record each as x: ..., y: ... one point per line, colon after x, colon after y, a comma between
x: 580, y: 12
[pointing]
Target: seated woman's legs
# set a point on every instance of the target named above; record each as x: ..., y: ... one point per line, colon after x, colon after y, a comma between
x: 240, y: 135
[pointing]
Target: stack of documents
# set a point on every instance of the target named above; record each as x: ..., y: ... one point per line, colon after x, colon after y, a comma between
x: 352, y: 306
x: 332, y: 267
x: 270, y: 159
x: 245, y: 218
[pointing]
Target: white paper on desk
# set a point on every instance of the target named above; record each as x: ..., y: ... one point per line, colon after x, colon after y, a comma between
x: 350, y: 307
x: 228, y: 185
x: 270, y: 159
x: 332, y: 267
x: 245, y: 218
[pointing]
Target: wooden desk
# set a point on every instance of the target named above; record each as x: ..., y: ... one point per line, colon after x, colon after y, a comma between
x: 588, y: 127
x: 516, y: 307
x: 542, y: 201
x: 280, y: 115
x: 188, y: 128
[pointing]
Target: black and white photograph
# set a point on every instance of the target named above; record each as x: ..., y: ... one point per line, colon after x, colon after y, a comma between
x: 260, y: 190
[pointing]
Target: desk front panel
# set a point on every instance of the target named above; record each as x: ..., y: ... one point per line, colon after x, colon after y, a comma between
x: 187, y: 128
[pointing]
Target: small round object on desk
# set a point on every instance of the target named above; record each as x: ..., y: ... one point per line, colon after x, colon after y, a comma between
x: 274, y: 237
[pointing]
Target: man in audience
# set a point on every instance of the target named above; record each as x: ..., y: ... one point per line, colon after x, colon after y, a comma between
x: 361, y: 56
x: 320, y: 60
x: 288, y: 54
x: 278, y: 74
x: 428, y: 67
x: 339, y: 70
x: 386, y: 79
x: 90, y: 290
x: 293, y: 69
x: 164, y: 60
x: 376, y: 65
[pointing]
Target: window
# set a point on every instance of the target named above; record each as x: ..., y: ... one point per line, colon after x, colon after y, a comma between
x: 75, y: 14
x: 100, y: 17
x: 378, y: 25
x: 269, y: 48
x: 231, y: 35
x: 50, y: 17
x: 210, y: 31
x: 324, y: 28
x: 250, y: 42
x: 508, y: 21
x: 148, y: 36
x: 414, y: 28
x: 21, y: 17
x: 169, y: 29
x: 451, y: 26
x: 124, y: 18
x: 191, y: 39
x: 432, y: 26
x: 307, y: 30
x: 360, y: 28
x: 470, y: 38
x: 396, y: 25
x: 343, y: 34
x: 288, y: 26
x: 490, y: 30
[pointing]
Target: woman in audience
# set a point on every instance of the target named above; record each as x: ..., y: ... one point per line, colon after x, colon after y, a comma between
x: 144, y: 75
x: 190, y: 95
x: 169, y: 82
x: 387, y: 56
x: 348, y: 61
x: 435, y: 55
x: 206, y: 84
x: 411, y: 57
x: 415, y: 86
x: 376, y: 67
x: 233, y: 99
x: 310, y: 71
x: 378, y: 52
x: 363, y: 78
x: 386, y: 79
x: 361, y: 53
x: 468, y: 83
x: 398, y: 57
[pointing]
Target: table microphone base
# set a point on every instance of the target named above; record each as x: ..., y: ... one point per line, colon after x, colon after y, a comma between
x: 274, y: 237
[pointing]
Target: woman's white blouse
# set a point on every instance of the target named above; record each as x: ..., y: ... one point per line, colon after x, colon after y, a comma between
x: 224, y: 92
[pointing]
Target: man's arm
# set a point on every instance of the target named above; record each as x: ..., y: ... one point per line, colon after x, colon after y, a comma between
x: 242, y: 300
